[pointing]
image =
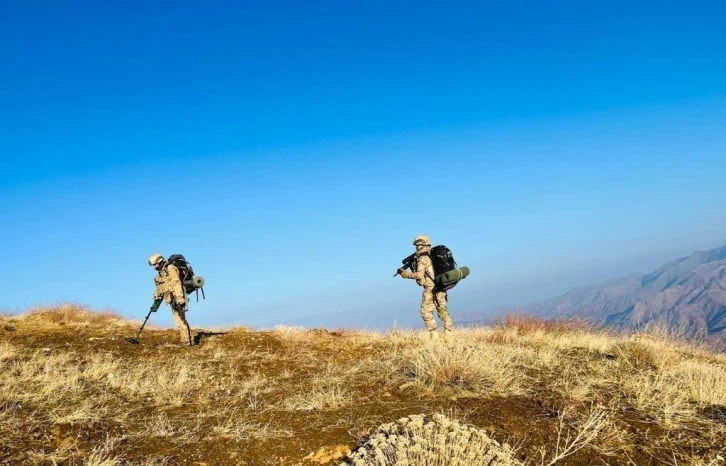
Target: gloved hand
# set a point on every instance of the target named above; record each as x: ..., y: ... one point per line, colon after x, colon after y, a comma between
x: 405, y: 273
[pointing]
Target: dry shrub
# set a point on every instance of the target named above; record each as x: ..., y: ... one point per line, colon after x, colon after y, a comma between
x: 574, y: 435
x: 636, y: 354
x: 529, y: 324
x: 420, y: 440
x: 485, y: 369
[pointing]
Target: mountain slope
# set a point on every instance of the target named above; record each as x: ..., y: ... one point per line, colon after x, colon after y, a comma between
x: 687, y: 295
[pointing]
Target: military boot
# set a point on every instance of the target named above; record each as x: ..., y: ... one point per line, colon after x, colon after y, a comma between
x: 433, y: 335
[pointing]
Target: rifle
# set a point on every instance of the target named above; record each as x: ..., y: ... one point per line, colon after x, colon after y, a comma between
x: 154, y: 308
x: 407, y: 262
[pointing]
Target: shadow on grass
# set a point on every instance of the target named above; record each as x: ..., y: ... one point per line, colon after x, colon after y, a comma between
x: 716, y: 413
x: 204, y: 335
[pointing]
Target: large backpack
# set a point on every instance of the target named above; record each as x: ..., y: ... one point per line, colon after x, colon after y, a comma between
x: 190, y: 282
x: 442, y: 259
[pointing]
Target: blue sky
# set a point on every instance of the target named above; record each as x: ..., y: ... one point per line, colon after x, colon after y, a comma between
x: 293, y: 151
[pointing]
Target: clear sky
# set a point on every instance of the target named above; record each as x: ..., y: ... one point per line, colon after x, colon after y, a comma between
x: 293, y: 151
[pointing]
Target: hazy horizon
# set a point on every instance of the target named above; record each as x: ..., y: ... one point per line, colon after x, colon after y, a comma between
x: 490, y: 304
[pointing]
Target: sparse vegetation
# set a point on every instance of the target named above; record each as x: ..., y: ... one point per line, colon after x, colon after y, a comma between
x: 548, y: 393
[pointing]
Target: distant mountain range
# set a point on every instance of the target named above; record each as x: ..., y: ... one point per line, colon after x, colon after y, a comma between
x: 686, y: 295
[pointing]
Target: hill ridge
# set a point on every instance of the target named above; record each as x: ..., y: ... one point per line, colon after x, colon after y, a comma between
x: 686, y: 295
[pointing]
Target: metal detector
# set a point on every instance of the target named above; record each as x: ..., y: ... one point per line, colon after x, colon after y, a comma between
x: 154, y: 308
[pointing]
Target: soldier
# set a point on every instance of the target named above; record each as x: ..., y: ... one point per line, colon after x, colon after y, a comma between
x: 170, y: 288
x: 422, y: 270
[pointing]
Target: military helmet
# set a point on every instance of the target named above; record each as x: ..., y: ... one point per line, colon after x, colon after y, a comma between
x: 155, y: 259
x: 422, y: 239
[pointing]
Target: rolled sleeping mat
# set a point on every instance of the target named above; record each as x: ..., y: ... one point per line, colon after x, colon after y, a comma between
x: 452, y: 276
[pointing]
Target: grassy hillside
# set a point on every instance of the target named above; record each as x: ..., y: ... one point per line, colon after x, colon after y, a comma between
x: 73, y: 391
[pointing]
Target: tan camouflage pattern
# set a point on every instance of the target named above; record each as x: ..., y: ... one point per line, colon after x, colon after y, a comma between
x: 423, y: 273
x: 435, y: 300
x: 180, y: 320
x: 169, y: 286
x: 422, y: 269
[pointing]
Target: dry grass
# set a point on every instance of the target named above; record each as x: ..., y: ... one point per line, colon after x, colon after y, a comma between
x: 73, y: 392
x: 491, y: 369
x: 75, y: 315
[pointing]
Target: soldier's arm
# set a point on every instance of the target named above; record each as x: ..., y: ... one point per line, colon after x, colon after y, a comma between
x: 175, y: 284
x: 157, y: 288
x: 423, y: 262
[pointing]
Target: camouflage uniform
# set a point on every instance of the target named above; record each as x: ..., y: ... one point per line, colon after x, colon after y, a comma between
x: 422, y: 270
x: 170, y: 288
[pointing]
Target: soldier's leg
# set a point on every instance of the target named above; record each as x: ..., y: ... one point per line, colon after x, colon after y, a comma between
x: 441, y: 299
x: 427, y: 309
x: 180, y: 320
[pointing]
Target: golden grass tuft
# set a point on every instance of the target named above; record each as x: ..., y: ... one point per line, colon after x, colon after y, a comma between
x: 528, y: 324
x: 73, y: 315
x: 490, y: 370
